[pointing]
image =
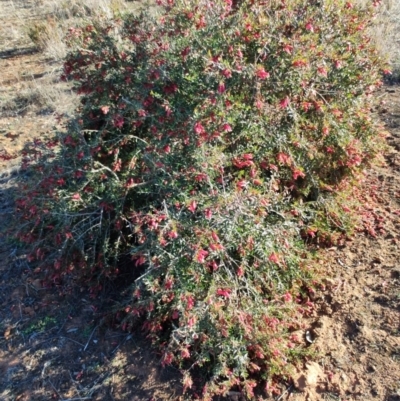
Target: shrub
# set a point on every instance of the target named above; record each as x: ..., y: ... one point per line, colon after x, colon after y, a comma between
x: 212, y: 144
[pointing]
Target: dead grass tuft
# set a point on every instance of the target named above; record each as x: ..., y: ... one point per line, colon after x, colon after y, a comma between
x: 47, y: 34
x: 387, y: 34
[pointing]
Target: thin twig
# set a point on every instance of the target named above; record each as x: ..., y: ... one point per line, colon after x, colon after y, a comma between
x: 70, y: 339
x: 55, y: 390
x: 288, y: 390
x: 103, y: 167
x: 128, y: 337
x: 65, y: 321
x: 88, y: 341
x: 94, y: 385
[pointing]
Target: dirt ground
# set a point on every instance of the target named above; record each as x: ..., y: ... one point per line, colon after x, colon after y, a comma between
x: 357, y: 330
x: 53, y: 346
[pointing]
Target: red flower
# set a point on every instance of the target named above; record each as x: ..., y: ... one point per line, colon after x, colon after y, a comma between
x: 274, y: 258
x: 173, y: 234
x: 201, y: 23
x: 169, y: 282
x: 201, y: 255
x: 192, y: 206
x: 167, y: 359
x: 241, y: 184
x: 189, y: 302
x: 259, y: 104
x: 185, y: 353
x: 299, y: 63
x: 283, y: 158
x: 130, y: 182
x: 284, y: 102
x: 224, y: 292
x: 311, y: 232
x: 170, y: 89
x: 227, y: 128
x: 221, y: 87
x: 287, y: 297
x: 215, y: 236
x: 228, y: 3
x: 140, y: 260
x: 298, y: 173
x: 185, y: 52
x: 76, y: 197
x: 198, y: 128
x: 227, y: 73
x: 105, y: 109
x: 214, y: 266
x: 309, y: 27
x: 201, y: 177
x: 322, y: 71
x: 242, y: 163
x: 288, y: 48
x: 208, y: 214
x: 118, y: 121
x: 216, y: 247
x: 261, y: 73
x: 338, y: 64
x: 337, y: 113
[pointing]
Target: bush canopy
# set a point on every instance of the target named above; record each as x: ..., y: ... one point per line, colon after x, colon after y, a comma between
x: 213, y: 144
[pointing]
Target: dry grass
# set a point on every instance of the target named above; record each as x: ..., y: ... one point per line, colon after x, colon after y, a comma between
x: 36, y: 87
x: 387, y: 33
x: 48, y: 34
x: 31, y: 54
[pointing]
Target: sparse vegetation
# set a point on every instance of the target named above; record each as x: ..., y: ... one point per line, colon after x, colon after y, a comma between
x: 40, y: 326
